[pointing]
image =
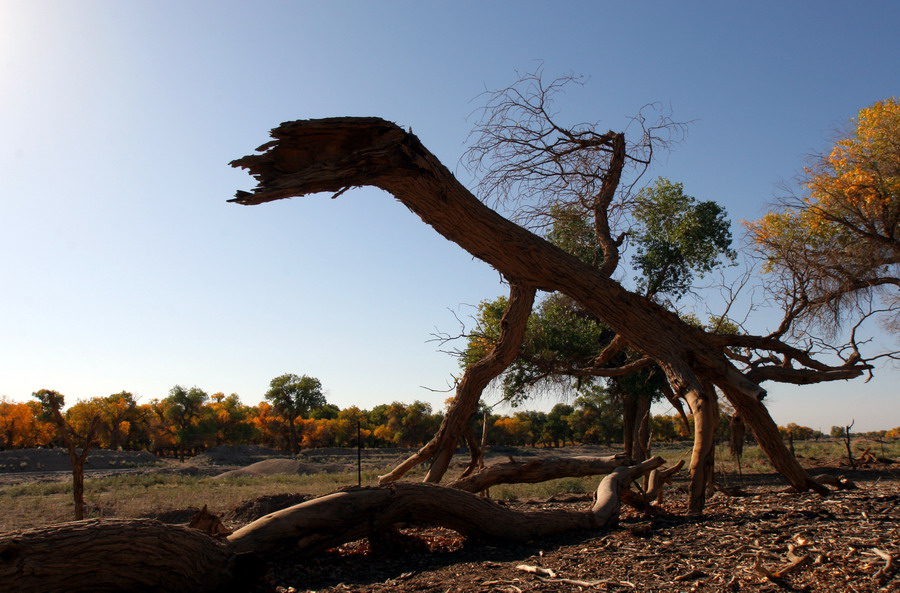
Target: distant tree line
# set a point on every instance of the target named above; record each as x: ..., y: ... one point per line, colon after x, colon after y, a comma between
x: 296, y: 415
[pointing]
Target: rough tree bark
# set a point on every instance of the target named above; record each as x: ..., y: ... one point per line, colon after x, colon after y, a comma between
x: 144, y: 555
x: 333, y: 155
x: 113, y: 555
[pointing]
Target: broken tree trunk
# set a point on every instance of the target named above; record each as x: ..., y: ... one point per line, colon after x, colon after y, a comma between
x: 847, y: 444
x: 335, y: 154
x: 145, y: 555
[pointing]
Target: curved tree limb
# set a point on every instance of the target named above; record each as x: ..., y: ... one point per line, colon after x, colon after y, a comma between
x: 356, y: 513
x: 472, y: 384
x: 602, y: 201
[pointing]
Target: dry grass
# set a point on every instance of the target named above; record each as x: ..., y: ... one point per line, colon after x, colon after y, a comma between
x: 32, y: 504
x: 35, y: 503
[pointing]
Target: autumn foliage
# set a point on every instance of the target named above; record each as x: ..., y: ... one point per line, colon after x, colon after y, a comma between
x: 836, y: 244
x: 189, y: 420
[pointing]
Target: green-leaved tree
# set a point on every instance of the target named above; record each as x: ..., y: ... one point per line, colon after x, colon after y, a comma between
x: 295, y: 397
x: 678, y: 238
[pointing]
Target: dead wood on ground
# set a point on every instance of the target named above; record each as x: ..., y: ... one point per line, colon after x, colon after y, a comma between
x: 140, y: 555
x: 539, y: 470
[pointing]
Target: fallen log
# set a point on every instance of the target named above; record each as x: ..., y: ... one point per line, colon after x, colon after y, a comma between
x: 837, y: 482
x: 101, y: 555
x: 539, y: 470
x: 110, y: 555
x: 357, y: 513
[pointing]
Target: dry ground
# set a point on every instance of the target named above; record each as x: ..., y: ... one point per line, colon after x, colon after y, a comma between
x: 730, y: 548
x: 743, y: 542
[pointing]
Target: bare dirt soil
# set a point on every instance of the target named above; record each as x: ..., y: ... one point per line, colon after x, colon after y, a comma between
x: 760, y: 539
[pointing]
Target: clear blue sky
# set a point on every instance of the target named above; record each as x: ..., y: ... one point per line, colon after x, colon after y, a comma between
x: 122, y: 267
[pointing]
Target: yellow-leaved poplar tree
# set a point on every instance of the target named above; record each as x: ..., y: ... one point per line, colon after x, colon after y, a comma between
x: 836, y: 244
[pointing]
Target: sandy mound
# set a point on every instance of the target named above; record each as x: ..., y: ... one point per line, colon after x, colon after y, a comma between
x: 51, y: 460
x: 270, y: 467
x: 236, y: 455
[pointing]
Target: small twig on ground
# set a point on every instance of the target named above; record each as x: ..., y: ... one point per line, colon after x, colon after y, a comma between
x: 761, y: 570
x: 796, y: 563
x: 548, y: 575
x: 546, y: 572
x: 690, y: 576
x: 575, y: 582
x: 885, y: 571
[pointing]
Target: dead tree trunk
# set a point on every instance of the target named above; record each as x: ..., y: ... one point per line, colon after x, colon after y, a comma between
x: 333, y: 155
x: 847, y: 444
